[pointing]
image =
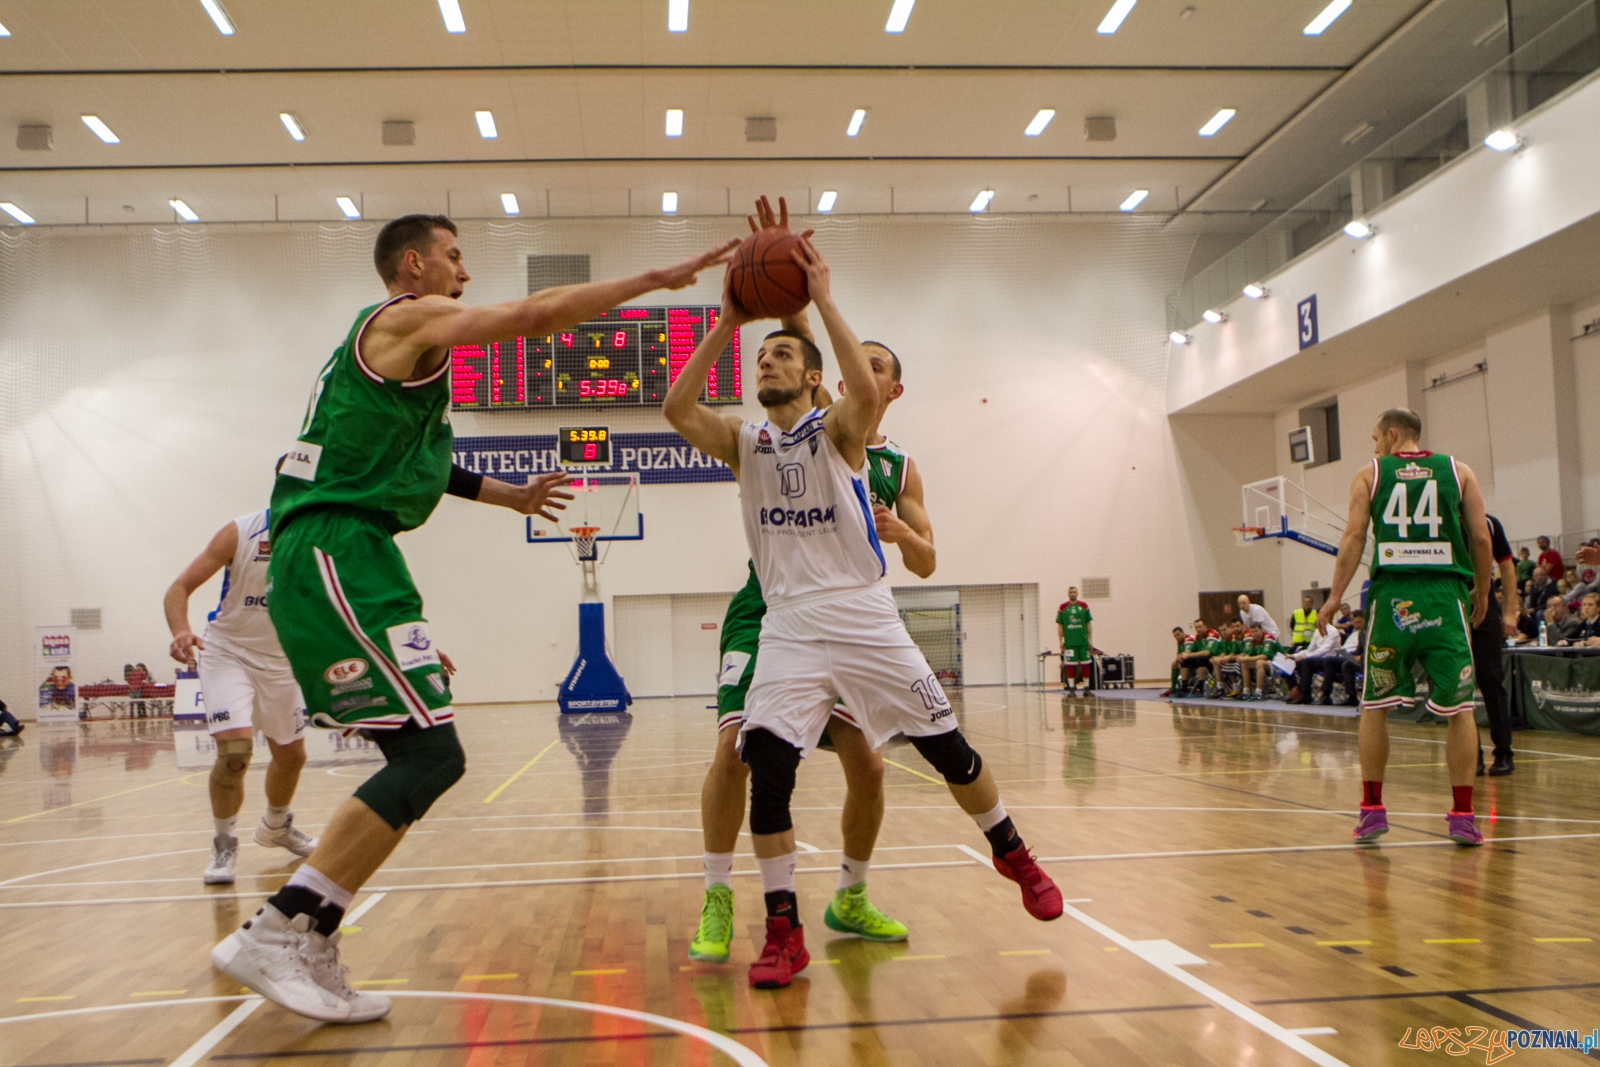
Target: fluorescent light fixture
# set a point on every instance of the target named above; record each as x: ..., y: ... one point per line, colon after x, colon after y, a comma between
x: 3, y: 31
x: 674, y: 122
x: 486, y: 127
x: 899, y: 15
x: 348, y: 206
x: 1118, y: 12
x: 677, y: 16
x: 101, y: 130
x: 1324, y: 20
x: 508, y: 202
x: 219, y: 16
x: 669, y: 203
x: 1178, y: 337
x: 185, y: 212
x: 1213, y: 316
x: 14, y: 211
x: 981, y: 201
x: 1217, y: 121
x: 1135, y: 198
x: 826, y: 201
x: 1040, y: 121
x: 856, y: 120
x: 1254, y: 291
x: 1358, y: 229
x: 1502, y: 141
x: 292, y: 124
x: 454, y: 23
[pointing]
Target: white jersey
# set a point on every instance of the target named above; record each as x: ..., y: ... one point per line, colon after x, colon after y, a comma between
x: 241, y: 625
x: 806, y: 514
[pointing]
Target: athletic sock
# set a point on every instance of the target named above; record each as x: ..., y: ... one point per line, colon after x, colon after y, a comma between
x: 1463, y: 799
x: 320, y: 884
x: 852, y: 872
x: 998, y: 828
x: 1371, y: 794
x: 777, y: 882
x: 295, y: 900
x: 276, y: 817
x: 1174, y: 684
x: 719, y: 868
x: 225, y: 827
x: 327, y: 919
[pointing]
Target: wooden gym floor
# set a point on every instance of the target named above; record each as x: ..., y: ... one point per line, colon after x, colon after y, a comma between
x: 541, y: 914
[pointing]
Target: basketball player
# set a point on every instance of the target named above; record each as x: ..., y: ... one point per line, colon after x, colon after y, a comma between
x: 1075, y: 627
x: 831, y: 628
x: 1432, y: 540
x: 893, y: 482
x: 247, y: 685
x: 371, y: 461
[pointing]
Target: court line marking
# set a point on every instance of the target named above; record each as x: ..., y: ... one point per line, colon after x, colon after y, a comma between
x: 98, y: 863
x: 41, y: 1000
x: 501, y: 788
x: 1211, y: 993
x: 912, y: 770
x: 96, y: 800
x: 1445, y: 941
x: 366, y: 905
x: 1313, y: 1031
x: 1352, y: 847
x: 213, y: 1037
x: 1026, y: 952
x: 160, y: 993
x: 599, y: 971
x: 1561, y: 940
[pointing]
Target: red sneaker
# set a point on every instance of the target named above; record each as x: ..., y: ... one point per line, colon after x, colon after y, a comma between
x: 1039, y: 894
x: 784, y: 954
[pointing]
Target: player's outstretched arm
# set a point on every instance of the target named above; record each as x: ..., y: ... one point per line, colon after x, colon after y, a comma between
x: 1354, y: 541
x: 540, y: 495
x: 910, y: 528
x: 852, y: 415
x: 715, y: 435
x: 1476, y: 523
x: 216, y: 556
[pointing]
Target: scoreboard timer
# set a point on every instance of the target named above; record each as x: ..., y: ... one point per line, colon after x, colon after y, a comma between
x: 580, y: 446
x: 627, y: 357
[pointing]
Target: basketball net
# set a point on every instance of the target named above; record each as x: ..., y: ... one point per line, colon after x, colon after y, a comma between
x: 1243, y: 535
x: 583, y: 537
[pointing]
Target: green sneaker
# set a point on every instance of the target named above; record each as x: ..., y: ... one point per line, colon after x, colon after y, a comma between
x: 850, y: 912
x: 711, y: 940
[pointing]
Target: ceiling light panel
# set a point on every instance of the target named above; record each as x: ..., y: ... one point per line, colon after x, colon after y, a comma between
x: 1213, y: 316
x: 899, y: 15
x: 826, y: 201
x: 16, y: 212
x: 1135, y: 198
x: 1502, y: 140
x: 981, y: 201
x: 856, y: 120
x: 677, y: 16
x: 669, y: 203
x: 292, y: 124
x: 674, y: 122
x: 1113, y: 20
x: 1040, y: 121
x: 453, y: 22
x: 3, y: 31
x: 486, y: 126
x: 219, y: 16
x: 185, y: 212
x: 1217, y: 121
x: 1254, y: 291
x: 348, y: 206
x: 508, y: 203
x: 1326, y: 18
x: 101, y: 130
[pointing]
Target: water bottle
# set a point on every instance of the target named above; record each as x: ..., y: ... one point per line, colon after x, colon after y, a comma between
x: 1544, y: 635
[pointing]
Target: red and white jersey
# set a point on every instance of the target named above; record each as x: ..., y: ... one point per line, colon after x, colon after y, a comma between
x: 240, y: 624
x: 806, y: 513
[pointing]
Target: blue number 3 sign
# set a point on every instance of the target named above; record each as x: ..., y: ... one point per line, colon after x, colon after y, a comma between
x: 1307, y: 313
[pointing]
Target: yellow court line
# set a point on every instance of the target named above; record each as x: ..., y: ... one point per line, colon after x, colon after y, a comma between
x: 487, y: 977
x: 351, y: 929
x: 1562, y: 940
x: 1030, y: 952
x: 827, y: 963
x: 1451, y: 941
x: 1241, y: 944
x: 603, y: 970
x: 382, y: 981
x: 160, y: 993
x: 41, y: 1000
x: 934, y: 956
x: 1338, y: 944
x: 96, y: 800
x: 1110, y: 948
x: 501, y: 788
x: 919, y: 774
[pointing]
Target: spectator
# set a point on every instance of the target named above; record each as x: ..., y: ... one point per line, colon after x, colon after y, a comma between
x: 1588, y: 621
x: 1550, y: 560
x: 1321, y: 654
x: 1346, y: 661
x: 1525, y: 565
x: 1255, y: 615
x: 1560, y: 625
x: 1343, y: 622
x: 1303, y: 623
x: 1228, y: 662
x: 9, y: 726
x: 1182, y: 638
x: 1540, y: 589
x: 1194, y: 660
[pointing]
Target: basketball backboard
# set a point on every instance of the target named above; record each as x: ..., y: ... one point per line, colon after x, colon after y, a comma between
x: 1277, y: 507
x: 607, y: 501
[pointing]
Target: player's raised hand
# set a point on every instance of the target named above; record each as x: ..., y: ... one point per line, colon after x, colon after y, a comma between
x: 763, y: 219
x: 541, y: 495
x: 816, y: 269
x: 890, y: 529
x: 685, y: 273
x: 183, y: 648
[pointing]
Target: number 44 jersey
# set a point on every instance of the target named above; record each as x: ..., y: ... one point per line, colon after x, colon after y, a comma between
x: 1416, y: 516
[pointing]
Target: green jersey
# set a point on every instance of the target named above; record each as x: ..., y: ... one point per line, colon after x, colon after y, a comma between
x: 1074, y: 619
x: 1268, y: 648
x: 1416, y: 516
x: 1199, y: 643
x: 369, y: 443
x: 886, y: 473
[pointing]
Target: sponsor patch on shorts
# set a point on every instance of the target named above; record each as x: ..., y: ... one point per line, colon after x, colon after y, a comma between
x: 412, y: 646
x: 345, y: 671
x: 302, y: 460
x: 733, y: 665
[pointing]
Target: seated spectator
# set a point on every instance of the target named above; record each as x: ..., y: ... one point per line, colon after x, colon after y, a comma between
x: 1588, y: 621
x: 1252, y: 615
x: 9, y: 726
x: 1550, y: 560
x: 1323, y: 646
x: 1540, y: 589
x: 1344, y: 659
x: 1182, y: 638
x: 1525, y: 565
x: 1194, y: 660
x: 1560, y: 625
x: 1343, y: 621
x: 1257, y: 660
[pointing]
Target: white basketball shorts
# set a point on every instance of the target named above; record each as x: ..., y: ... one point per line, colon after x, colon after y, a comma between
x: 239, y: 695
x: 853, y: 647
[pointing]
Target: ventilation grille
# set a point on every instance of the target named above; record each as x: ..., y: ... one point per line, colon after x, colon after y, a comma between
x: 399, y: 132
x: 761, y: 129
x: 86, y: 618
x: 546, y: 272
x: 1096, y: 588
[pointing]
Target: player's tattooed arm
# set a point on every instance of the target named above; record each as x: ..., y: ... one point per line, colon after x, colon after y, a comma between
x: 715, y: 435
x: 1354, y: 541
x: 1476, y: 524
x: 853, y: 415
x: 910, y: 529
x: 216, y: 556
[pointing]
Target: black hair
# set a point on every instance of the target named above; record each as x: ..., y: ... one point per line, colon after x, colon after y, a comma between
x: 886, y: 348
x: 810, y: 353
x: 1403, y: 419
x: 402, y: 234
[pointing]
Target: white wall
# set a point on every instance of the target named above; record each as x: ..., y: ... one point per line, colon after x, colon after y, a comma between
x: 150, y: 376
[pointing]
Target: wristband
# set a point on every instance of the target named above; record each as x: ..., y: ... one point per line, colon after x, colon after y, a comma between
x: 464, y: 483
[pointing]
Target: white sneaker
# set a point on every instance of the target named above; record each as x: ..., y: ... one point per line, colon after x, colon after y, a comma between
x: 268, y: 955
x: 224, y: 850
x: 322, y: 956
x: 285, y: 836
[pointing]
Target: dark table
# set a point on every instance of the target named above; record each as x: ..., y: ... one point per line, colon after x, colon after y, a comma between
x: 1554, y: 688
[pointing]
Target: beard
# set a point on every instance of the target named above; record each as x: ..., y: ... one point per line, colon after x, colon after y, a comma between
x: 773, y: 397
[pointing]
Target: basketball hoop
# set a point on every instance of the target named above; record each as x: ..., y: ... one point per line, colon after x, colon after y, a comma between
x: 1243, y: 535
x: 583, y: 538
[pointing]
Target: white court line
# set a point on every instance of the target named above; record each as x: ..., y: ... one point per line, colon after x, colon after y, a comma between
x: 99, y: 863
x: 1210, y: 992
x: 651, y: 829
x: 136, y: 1005
x: 1313, y: 1031
x: 977, y: 857
x: 1348, y: 847
x: 202, y: 1048
x: 366, y: 906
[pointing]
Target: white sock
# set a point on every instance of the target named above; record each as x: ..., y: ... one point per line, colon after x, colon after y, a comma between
x: 991, y: 818
x: 853, y: 872
x: 322, y: 885
x: 275, y: 817
x: 777, y: 873
x: 719, y: 869
x: 225, y: 827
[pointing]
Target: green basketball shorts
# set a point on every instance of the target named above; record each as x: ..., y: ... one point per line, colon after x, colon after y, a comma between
x: 1419, y: 619
x: 350, y: 621
x: 1075, y: 653
x: 741, y: 638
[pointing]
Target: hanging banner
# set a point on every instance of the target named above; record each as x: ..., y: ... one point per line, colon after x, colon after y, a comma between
x: 58, y: 690
x: 659, y: 458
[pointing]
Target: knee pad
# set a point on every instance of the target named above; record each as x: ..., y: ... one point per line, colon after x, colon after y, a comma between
x: 233, y: 759
x: 772, y: 762
x: 951, y: 756
x: 421, y: 767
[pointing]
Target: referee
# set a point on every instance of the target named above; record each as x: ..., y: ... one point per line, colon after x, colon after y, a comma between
x: 1488, y: 644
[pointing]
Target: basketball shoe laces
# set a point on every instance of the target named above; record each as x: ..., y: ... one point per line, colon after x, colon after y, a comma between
x: 321, y: 956
x: 716, y: 918
x: 776, y: 950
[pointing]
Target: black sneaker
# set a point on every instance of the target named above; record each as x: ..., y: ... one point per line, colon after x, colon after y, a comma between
x: 1503, y: 765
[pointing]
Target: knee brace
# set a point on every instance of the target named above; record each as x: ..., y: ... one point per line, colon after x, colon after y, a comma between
x: 422, y: 765
x: 772, y: 762
x: 233, y: 759
x: 951, y: 756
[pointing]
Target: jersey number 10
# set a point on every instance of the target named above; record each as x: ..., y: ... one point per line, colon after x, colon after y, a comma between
x: 1427, y: 513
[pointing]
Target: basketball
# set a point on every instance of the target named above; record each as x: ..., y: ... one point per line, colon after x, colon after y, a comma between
x: 766, y: 280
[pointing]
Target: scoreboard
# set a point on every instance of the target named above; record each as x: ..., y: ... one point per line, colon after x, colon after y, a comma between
x: 627, y: 357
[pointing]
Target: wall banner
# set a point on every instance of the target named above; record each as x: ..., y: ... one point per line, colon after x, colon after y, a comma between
x: 658, y: 458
